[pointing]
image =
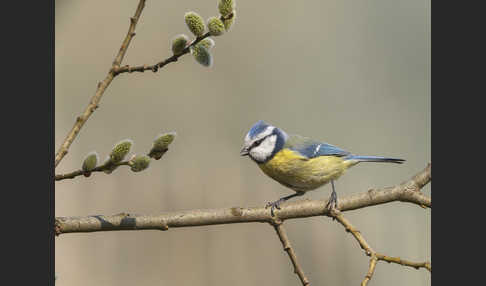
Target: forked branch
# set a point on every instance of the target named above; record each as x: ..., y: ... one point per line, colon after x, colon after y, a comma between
x: 173, y: 58
x: 374, y: 256
x: 115, y: 70
x: 93, y: 104
x: 408, y: 191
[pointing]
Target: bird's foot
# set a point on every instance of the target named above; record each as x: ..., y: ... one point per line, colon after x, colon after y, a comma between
x: 332, y: 203
x: 274, y: 205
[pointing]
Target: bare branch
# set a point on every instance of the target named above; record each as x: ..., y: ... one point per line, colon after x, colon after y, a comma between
x: 93, y: 104
x: 350, y: 228
x: 375, y: 257
x: 427, y: 265
x: 290, y: 210
x: 371, y: 271
x: 282, y: 234
x: 130, y: 34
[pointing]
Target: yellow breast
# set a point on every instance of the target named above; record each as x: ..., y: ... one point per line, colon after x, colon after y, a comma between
x: 301, y: 174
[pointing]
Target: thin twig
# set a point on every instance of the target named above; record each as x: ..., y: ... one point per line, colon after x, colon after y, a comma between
x: 93, y: 104
x: 282, y: 235
x: 427, y: 265
x: 102, y: 168
x: 350, y: 228
x: 160, y: 64
x: 130, y: 34
x: 289, y: 210
x: 173, y: 58
x: 80, y: 172
x: 374, y: 256
x: 116, y: 70
x: 371, y: 270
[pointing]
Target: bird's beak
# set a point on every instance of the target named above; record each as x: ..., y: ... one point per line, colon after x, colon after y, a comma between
x: 244, y: 151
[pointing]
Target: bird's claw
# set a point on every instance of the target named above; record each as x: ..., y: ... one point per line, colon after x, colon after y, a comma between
x: 274, y: 205
x: 332, y: 203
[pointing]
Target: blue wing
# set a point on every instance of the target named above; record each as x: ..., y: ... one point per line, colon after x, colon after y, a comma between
x: 312, y: 148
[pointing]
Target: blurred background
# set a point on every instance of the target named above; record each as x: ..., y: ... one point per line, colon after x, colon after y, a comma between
x: 355, y: 74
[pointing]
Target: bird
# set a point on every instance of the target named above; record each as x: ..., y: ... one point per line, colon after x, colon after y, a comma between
x: 299, y: 163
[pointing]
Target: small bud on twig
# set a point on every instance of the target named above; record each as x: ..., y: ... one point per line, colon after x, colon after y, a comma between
x: 139, y: 163
x: 108, y: 165
x: 90, y: 161
x: 195, y: 23
x: 208, y: 43
x: 228, y: 21
x: 215, y: 26
x: 161, y: 145
x: 202, y: 55
x: 179, y: 43
x: 120, y: 150
x: 225, y: 7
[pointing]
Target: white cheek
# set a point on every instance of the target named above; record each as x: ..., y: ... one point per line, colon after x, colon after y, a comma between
x: 265, y: 149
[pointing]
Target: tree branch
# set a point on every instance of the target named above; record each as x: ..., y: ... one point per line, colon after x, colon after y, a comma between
x: 80, y: 172
x: 173, y: 58
x: 408, y: 191
x: 282, y: 234
x: 371, y: 271
x: 427, y: 265
x: 116, y: 70
x: 93, y: 104
x: 104, y: 167
x: 159, y: 65
x: 375, y: 257
x: 130, y: 34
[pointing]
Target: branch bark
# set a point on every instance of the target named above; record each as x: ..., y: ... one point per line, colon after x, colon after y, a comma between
x: 116, y: 70
x: 408, y: 191
x: 284, y: 239
x: 374, y: 256
x: 157, y: 66
x: 74, y: 174
x: 103, y: 168
x: 93, y: 104
x: 173, y: 58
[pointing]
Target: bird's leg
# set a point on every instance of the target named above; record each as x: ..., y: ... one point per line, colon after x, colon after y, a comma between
x: 276, y: 204
x: 332, y: 203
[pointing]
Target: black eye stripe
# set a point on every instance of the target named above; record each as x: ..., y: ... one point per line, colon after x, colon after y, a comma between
x: 258, y: 142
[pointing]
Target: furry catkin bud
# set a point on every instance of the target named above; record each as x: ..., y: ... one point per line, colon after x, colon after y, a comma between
x: 215, y: 26
x: 108, y: 165
x: 139, y: 163
x: 195, y: 23
x: 90, y: 161
x: 120, y: 150
x: 202, y: 55
x: 227, y: 22
x: 208, y: 43
x: 161, y: 145
x: 225, y: 7
x: 179, y: 43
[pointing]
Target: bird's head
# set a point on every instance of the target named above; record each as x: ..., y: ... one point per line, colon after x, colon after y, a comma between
x: 263, y: 141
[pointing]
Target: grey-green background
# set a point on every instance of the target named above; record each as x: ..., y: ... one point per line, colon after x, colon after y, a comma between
x: 352, y: 73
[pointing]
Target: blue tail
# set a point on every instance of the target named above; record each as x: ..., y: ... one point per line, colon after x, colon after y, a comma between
x: 374, y: 159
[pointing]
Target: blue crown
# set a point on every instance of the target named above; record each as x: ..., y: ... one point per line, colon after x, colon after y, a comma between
x: 257, y: 128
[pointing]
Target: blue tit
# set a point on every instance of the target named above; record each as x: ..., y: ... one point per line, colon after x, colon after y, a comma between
x: 299, y: 163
